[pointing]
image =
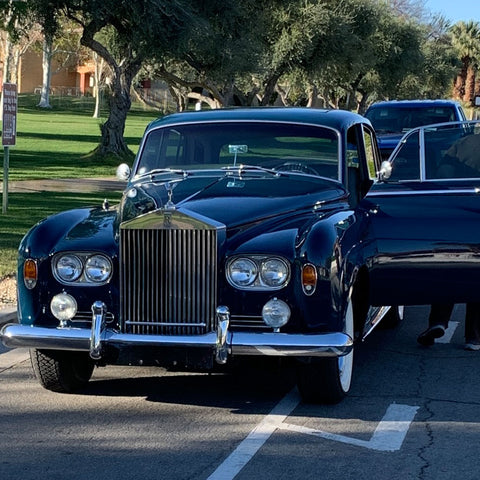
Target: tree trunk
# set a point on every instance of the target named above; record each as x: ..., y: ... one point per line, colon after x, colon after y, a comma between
x: 458, y: 88
x: 96, y: 88
x: 47, y: 73
x: 312, y: 97
x: 362, y: 103
x: 112, y: 130
x: 7, y: 60
x: 269, y: 90
x: 123, y: 72
x: 470, y: 85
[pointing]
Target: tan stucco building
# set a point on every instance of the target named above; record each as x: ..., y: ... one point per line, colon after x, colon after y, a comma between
x: 71, y: 80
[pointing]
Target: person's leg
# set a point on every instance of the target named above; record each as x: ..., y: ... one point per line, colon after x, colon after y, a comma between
x: 440, y: 314
x: 472, y: 326
x: 437, y: 323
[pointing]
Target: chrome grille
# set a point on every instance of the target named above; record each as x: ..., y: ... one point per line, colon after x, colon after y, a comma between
x: 168, y: 278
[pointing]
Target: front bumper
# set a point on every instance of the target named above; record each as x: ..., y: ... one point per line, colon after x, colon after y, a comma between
x: 222, y: 342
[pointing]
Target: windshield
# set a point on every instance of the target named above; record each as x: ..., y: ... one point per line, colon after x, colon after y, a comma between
x: 449, y: 152
x: 401, y: 119
x: 276, y: 146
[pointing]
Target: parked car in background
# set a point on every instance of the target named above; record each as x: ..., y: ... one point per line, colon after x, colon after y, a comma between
x: 238, y: 235
x: 392, y: 119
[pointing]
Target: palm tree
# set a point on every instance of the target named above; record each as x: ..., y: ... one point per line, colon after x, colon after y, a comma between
x: 466, y: 41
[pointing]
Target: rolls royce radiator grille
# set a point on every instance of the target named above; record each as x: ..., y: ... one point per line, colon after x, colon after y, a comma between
x: 168, y: 280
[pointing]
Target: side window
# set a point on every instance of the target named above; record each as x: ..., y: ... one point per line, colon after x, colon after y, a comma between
x: 370, y: 153
x: 406, y: 164
x: 352, y: 148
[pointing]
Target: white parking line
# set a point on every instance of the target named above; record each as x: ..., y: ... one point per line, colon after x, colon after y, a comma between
x: 387, y: 437
x: 12, y: 357
x: 452, y: 326
x: 256, y: 438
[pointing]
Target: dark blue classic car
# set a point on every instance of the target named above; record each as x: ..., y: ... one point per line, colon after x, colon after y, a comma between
x: 238, y: 234
x: 262, y: 232
x: 392, y: 119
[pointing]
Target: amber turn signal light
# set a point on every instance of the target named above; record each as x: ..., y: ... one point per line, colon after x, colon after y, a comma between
x: 309, y: 279
x: 30, y: 273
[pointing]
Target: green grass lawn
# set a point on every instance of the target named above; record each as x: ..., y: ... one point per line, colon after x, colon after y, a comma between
x: 57, y: 143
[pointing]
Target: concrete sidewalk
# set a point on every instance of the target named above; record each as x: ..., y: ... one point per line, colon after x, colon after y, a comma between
x: 65, y: 185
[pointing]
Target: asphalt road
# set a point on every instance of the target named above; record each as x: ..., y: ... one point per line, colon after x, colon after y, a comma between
x: 413, y: 413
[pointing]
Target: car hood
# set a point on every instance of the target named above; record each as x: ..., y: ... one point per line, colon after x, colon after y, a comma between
x: 234, y: 200
x: 389, y: 140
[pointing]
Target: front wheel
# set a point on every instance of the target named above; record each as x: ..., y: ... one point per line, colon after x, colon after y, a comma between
x: 327, y: 380
x: 61, y: 371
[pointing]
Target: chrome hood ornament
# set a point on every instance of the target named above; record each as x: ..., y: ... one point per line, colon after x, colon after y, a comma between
x: 169, y: 186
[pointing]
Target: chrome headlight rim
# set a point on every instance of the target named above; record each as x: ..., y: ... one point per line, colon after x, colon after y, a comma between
x: 261, y: 281
x: 274, y: 265
x: 86, y: 278
x: 62, y: 262
x: 234, y: 272
x: 98, y: 268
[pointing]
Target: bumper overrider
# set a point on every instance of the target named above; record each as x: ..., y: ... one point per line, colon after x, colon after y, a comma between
x: 223, y: 342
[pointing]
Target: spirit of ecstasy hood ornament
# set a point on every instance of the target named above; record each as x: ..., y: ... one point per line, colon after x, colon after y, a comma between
x: 169, y: 186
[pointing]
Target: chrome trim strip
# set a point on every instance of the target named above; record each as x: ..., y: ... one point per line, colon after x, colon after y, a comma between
x: 423, y: 169
x: 374, y: 315
x: 396, y: 193
x: 272, y: 344
x: 163, y: 324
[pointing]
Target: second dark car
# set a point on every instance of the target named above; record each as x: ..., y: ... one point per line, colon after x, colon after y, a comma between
x: 392, y: 119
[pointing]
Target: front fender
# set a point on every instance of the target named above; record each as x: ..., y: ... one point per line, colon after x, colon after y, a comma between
x: 86, y: 229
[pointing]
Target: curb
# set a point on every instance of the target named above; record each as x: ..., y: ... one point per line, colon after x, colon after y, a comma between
x: 8, y: 315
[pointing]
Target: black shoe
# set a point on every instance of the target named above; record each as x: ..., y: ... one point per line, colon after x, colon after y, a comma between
x: 428, y: 337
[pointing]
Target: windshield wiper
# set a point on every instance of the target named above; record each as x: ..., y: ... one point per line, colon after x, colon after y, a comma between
x: 161, y: 172
x: 242, y: 169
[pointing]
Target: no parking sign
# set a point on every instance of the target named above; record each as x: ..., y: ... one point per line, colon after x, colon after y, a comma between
x: 9, y: 132
x: 9, y: 123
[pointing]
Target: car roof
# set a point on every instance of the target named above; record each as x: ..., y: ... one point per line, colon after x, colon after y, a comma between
x: 413, y: 103
x: 337, y: 119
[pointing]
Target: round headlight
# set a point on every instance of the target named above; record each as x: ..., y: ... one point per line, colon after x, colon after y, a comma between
x: 242, y: 272
x: 98, y: 269
x: 276, y: 313
x: 68, y: 268
x: 63, y: 306
x: 274, y: 272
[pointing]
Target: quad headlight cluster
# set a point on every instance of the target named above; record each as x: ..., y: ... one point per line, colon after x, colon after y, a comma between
x: 258, y: 272
x: 82, y: 268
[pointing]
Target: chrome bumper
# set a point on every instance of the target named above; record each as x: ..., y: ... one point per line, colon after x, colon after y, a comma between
x: 223, y: 342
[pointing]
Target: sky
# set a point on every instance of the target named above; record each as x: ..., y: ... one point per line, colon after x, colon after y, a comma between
x: 456, y: 10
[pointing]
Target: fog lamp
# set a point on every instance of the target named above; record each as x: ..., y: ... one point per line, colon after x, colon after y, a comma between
x: 276, y: 313
x: 63, y: 307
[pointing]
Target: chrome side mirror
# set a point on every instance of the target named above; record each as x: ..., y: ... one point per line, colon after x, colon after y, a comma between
x: 123, y: 172
x: 385, y: 171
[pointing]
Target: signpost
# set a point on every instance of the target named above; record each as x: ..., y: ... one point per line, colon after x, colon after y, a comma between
x: 9, y: 132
